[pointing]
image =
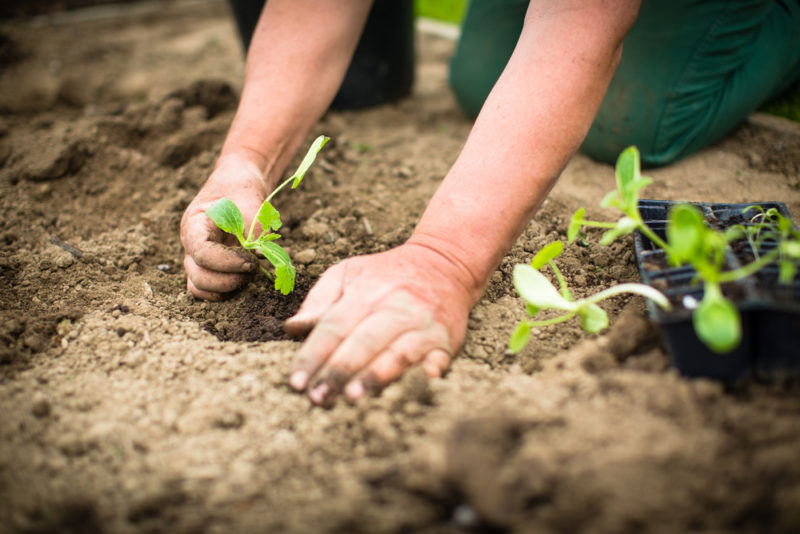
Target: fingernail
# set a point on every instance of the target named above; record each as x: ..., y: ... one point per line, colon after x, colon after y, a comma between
x: 319, y: 393
x: 354, y: 390
x: 298, y: 380
x: 295, y: 318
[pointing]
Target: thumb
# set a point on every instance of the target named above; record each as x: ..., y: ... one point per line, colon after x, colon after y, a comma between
x: 322, y: 296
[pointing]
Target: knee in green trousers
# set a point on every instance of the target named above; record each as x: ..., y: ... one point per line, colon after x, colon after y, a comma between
x: 690, y: 72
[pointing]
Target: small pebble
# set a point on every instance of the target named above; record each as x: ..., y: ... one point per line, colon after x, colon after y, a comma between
x: 41, y: 407
x: 306, y: 256
x: 229, y: 420
x: 465, y: 516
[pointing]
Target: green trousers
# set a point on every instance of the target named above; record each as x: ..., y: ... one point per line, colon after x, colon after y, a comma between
x: 691, y: 70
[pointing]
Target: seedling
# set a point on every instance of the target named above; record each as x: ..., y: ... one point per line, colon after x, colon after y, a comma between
x: 691, y: 241
x: 770, y: 225
x: 540, y: 294
x: 227, y: 216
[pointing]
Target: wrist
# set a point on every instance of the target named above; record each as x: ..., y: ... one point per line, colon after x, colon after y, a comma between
x: 452, y: 261
x: 245, y: 165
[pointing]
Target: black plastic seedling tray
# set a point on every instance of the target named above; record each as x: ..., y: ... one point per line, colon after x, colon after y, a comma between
x: 770, y: 311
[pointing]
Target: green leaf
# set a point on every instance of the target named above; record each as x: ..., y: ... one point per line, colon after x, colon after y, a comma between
x: 624, y: 226
x: 537, y: 290
x: 686, y: 231
x: 790, y: 249
x: 532, y: 310
x: 575, y: 225
x: 548, y: 253
x: 611, y: 200
x: 279, y: 258
x: 284, y: 278
x: 784, y: 224
x: 519, y: 338
x: 738, y: 231
x: 755, y: 207
x: 716, y: 321
x: 593, y: 318
x: 309, y: 158
x: 640, y: 183
x: 227, y: 217
x: 627, y: 171
x: 627, y: 168
x: 268, y: 217
x: 786, y: 271
x: 629, y: 181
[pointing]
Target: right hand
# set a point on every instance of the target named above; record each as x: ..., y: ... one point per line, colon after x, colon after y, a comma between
x: 214, y: 262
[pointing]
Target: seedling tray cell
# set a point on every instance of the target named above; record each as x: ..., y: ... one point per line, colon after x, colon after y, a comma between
x: 777, y: 318
x: 770, y: 311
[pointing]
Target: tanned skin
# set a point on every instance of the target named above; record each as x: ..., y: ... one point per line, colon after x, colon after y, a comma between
x: 370, y: 318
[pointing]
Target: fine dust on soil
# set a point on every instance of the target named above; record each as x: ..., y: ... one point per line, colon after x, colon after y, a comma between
x: 123, y: 413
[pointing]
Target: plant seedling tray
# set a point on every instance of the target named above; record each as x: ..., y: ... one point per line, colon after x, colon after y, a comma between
x: 770, y: 311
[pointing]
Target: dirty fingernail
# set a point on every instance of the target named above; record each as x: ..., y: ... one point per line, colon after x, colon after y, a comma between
x: 354, y: 390
x: 319, y: 393
x: 298, y: 380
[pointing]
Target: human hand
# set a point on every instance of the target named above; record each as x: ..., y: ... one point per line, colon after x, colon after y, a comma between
x: 213, y: 266
x: 372, y: 317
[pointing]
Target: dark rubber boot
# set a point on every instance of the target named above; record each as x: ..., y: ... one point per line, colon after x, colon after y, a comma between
x: 382, y: 68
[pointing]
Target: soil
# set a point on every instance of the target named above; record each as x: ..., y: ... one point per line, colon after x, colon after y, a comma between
x: 130, y: 407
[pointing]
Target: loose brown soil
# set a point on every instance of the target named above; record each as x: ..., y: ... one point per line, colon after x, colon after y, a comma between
x: 130, y: 407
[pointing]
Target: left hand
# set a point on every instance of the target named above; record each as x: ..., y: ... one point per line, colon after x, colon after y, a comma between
x: 372, y: 317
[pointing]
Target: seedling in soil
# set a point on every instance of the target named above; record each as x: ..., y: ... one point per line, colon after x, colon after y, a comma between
x: 691, y: 241
x: 227, y: 216
x: 770, y: 226
x: 540, y: 294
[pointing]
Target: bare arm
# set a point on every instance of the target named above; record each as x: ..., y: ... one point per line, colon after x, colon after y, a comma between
x: 534, y: 119
x: 297, y: 61
x: 298, y: 58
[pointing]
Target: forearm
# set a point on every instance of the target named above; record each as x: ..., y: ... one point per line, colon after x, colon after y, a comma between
x: 532, y: 122
x: 298, y: 57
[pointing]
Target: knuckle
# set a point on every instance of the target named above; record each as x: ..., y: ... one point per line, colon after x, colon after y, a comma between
x: 305, y: 362
x: 330, y: 327
x: 404, y: 358
x: 370, y: 339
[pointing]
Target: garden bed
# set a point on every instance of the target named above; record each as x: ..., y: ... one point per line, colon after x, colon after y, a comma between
x: 130, y: 407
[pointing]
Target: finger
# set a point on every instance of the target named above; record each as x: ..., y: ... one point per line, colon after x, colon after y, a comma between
x: 329, y: 332
x: 221, y: 258
x: 205, y: 295
x: 436, y: 363
x: 211, y: 281
x: 325, y: 293
x: 368, y: 339
x: 409, y: 349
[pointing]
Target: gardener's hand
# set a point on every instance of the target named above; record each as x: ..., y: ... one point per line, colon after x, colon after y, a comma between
x: 372, y: 317
x: 213, y: 265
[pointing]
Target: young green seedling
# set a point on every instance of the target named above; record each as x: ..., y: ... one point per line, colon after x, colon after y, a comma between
x: 716, y: 320
x: 690, y: 241
x: 227, y: 216
x: 625, y: 198
x: 539, y: 294
x: 770, y: 225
